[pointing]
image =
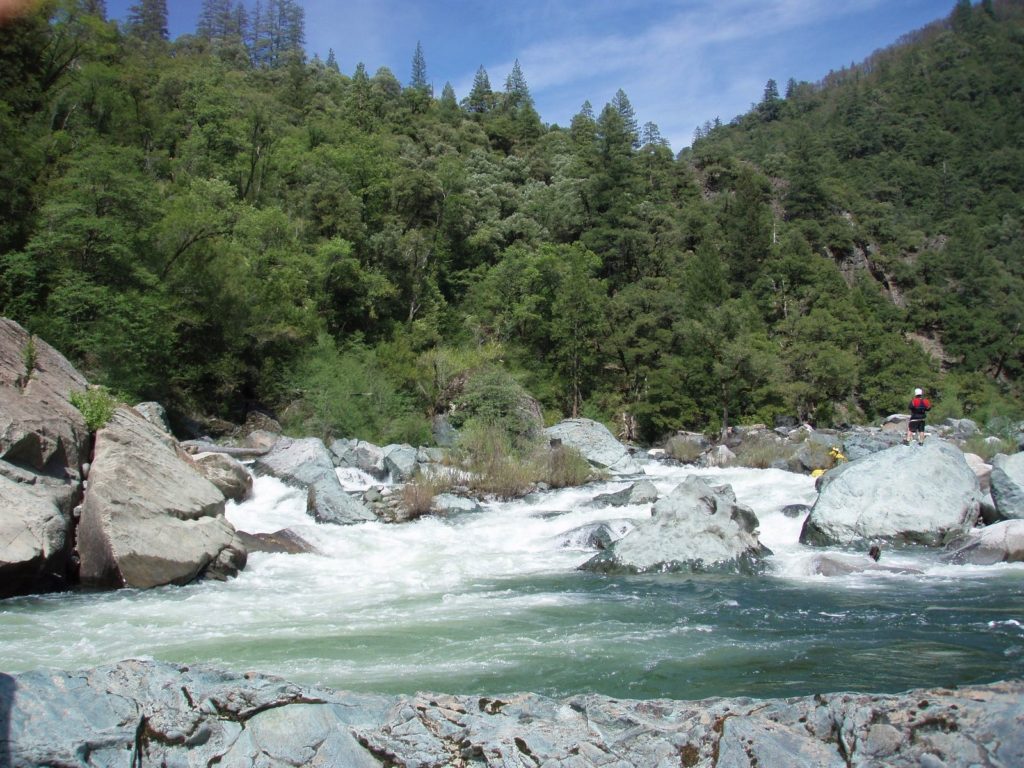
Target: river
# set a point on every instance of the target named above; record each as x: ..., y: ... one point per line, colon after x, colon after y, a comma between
x: 492, y: 602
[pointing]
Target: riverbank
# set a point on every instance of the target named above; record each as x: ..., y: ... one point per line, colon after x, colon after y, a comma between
x: 148, y: 713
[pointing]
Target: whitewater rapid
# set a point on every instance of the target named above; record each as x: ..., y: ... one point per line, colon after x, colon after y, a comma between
x: 494, y: 601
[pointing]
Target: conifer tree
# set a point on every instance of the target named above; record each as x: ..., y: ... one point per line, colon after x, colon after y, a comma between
x: 620, y: 103
x: 517, y: 94
x: 418, y: 80
x: 481, y: 97
x: 332, y: 61
x: 95, y: 7
x: 147, y: 20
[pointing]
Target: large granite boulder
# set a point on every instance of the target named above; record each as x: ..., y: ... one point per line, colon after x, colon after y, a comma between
x: 696, y: 527
x: 307, y: 464
x: 153, y: 713
x: 999, y: 543
x: 39, y: 428
x: 908, y: 494
x: 596, y: 443
x: 1007, y: 485
x: 35, y: 532
x: 149, y: 518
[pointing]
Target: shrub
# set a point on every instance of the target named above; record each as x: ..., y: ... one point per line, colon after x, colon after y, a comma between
x: 418, y: 494
x: 97, y: 405
x: 563, y: 467
x: 762, y: 453
x: 494, y: 460
x: 29, y: 358
x: 987, y: 448
x: 685, y: 450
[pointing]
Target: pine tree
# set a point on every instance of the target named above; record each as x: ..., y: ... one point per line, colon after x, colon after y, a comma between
x: 481, y: 97
x: 418, y: 80
x: 620, y: 103
x: 332, y: 61
x: 517, y: 94
x: 147, y: 20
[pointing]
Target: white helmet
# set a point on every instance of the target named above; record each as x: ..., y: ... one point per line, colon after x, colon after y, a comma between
x: 918, y: 392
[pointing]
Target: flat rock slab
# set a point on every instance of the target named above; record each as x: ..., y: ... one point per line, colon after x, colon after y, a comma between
x: 152, y: 713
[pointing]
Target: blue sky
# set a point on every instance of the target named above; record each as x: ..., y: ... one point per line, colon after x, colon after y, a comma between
x: 680, y: 62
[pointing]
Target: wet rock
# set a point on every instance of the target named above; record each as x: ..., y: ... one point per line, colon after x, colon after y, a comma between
x: 361, y: 455
x: 908, y: 494
x: 642, y: 492
x: 694, y: 528
x: 285, y: 541
x: 447, y: 504
x: 999, y: 543
x: 596, y: 535
x: 307, y: 463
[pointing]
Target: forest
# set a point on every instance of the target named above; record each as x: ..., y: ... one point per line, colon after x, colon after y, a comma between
x: 222, y: 224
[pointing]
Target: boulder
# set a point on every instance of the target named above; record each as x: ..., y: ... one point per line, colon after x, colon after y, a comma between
x: 154, y: 713
x: 999, y: 543
x: 962, y: 429
x: 795, y: 510
x: 695, y: 528
x: 360, y: 455
x: 149, y: 518
x: 35, y: 533
x: 596, y: 443
x: 643, y: 492
x: 307, y: 463
x: 719, y: 456
x: 39, y: 427
x: 401, y: 462
x: 908, y: 494
x: 981, y: 470
x: 1007, y: 485
x: 227, y: 473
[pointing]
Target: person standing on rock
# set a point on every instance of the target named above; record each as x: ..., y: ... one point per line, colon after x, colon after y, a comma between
x: 919, y: 408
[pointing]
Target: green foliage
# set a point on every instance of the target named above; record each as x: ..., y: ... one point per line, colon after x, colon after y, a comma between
x: 214, y: 220
x: 97, y: 405
x: 29, y: 359
x: 345, y: 393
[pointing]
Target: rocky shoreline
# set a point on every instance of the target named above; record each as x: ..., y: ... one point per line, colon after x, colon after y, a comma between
x: 141, y: 713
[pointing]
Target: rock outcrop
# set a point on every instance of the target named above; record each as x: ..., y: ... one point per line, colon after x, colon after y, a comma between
x: 307, y: 464
x: 39, y: 427
x: 149, y: 518
x: 150, y: 713
x: 596, y: 443
x: 694, y: 528
x: 908, y: 494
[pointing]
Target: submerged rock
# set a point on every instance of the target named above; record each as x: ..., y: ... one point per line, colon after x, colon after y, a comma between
x: 153, y: 713
x: 908, y: 494
x: 695, y: 528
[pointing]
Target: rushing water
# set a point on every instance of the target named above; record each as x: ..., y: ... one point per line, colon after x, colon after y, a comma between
x: 492, y: 602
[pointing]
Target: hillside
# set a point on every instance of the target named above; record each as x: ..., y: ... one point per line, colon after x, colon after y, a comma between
x: 202, y: 223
